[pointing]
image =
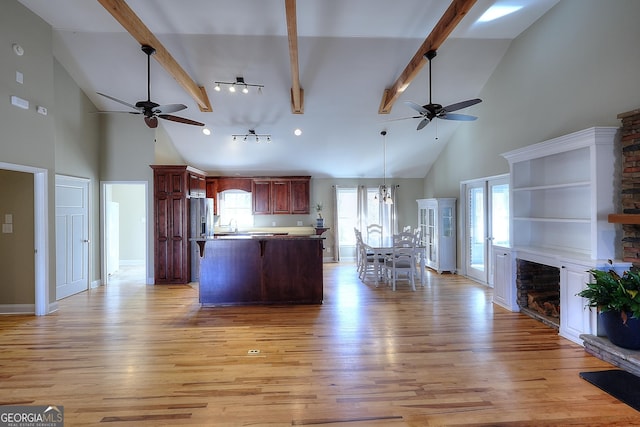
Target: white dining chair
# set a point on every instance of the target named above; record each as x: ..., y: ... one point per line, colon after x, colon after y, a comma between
x: 402, y: 260
x: 374, y: 235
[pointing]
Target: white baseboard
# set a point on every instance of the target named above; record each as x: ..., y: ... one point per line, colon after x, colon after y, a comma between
x: 53, y: 307
x: 95, y: 284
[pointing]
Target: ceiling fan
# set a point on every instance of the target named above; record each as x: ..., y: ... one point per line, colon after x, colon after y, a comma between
x: 150, y: 109
x: 431, y: 111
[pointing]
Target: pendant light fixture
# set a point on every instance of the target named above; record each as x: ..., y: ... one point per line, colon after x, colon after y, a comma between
x: 385, y: 192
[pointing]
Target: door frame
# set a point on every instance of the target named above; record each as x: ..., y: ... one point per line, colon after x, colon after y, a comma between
x: 41, y: 235
x: 463, y: 221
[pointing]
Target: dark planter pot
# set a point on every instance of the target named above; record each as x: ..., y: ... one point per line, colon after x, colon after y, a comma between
x: 320, y: 222
x: 626, y: 335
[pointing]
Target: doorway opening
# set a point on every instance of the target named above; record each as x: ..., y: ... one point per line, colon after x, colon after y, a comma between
x: 42, y: 305
x: 124, y: 228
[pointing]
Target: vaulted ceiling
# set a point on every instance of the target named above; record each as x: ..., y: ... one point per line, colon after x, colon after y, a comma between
x: 325, y: 65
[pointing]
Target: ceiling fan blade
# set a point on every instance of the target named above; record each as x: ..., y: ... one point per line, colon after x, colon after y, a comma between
x: 152, y: 121
x: 119, y: 101
x: 169, y: 108
x: 463, y: 104
x: 423, y: 123
x: 419, y: 108
x: 180, y: 120
x: 403, y: 118
x: 117, y: 112
x: 459, y: 117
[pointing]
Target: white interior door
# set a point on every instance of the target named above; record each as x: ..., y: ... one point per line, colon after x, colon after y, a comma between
x: 72, y: 236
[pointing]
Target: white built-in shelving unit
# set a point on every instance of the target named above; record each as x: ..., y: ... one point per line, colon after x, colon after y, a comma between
x: 562, y: 191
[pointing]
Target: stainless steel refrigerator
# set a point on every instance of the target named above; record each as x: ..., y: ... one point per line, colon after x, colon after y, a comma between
x: 201, y: 222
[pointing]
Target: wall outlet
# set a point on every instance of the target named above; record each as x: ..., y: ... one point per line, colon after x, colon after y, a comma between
x: 273, y: 223
x: 299, y: 223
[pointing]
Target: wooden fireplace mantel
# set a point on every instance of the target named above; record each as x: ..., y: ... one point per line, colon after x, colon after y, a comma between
x: 624, y: 218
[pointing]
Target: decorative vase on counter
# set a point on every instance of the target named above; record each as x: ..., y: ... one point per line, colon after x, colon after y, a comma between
x: 620, y: 333
x: 319, y: 222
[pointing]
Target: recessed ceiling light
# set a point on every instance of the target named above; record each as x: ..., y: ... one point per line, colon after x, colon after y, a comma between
x: 297, y: 132
x: 495, y: 12
x: 206, y: 131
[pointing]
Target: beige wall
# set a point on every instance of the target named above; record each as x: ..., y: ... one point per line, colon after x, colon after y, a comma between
x: 16, y: 248
x: 575, y: 68
x: 26, y: 137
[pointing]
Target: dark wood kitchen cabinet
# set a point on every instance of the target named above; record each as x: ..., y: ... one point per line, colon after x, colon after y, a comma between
x: 280, y: 195
x: 300, y: 196
x: 197, y: 186
x: 171, y: 192
x: 261, y: 195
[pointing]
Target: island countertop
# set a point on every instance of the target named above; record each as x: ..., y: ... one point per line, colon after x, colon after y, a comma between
x: 260, y: 269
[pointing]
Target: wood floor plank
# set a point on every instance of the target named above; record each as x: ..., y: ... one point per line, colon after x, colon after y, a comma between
x: 133, y: 354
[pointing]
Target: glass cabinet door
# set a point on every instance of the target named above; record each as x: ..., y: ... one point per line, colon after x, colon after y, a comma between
x: 431, y: 235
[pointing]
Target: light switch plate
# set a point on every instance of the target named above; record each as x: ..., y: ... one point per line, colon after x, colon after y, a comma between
x: 7, y: 228
x: 8, y: 218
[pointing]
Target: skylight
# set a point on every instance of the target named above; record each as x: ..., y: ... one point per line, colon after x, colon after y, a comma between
x: 497, y: 11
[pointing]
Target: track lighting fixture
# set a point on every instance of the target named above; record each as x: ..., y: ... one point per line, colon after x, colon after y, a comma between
x: 239, y: 83
x: 252, y: 134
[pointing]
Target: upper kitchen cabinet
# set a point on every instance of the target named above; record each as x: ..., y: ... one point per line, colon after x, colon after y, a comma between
x: 261, y: 194
x: 197, y: 185
x: 300, y: 196
x: 280, y: 195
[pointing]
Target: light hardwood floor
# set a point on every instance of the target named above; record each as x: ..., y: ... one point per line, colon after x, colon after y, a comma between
x: 135, y: 354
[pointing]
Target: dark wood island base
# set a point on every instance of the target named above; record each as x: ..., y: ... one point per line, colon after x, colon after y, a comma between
x: 247, y: 270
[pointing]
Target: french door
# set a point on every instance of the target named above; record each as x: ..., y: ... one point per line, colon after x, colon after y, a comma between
x: 486, y: 223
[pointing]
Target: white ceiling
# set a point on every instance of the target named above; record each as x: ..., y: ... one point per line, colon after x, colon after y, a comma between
x: 349, y: 52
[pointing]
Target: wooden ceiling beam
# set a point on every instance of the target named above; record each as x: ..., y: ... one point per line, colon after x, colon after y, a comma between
x: 139, y: 31
x: 297, y: 93
x: 447, y: 23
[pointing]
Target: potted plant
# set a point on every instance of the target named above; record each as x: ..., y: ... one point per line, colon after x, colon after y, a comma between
x: 617, y: 299
x: 320, y: 219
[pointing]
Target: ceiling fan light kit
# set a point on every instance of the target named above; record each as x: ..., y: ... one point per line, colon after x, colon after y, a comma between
x: 150, y: 109
x: 239, y: 83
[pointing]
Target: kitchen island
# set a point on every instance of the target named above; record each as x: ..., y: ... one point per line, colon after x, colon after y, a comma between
x: 260, y: 269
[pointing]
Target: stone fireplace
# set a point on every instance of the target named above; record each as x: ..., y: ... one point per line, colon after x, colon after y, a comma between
x: 538, y: 291
x: 630, y: 186
x: 599, y: 346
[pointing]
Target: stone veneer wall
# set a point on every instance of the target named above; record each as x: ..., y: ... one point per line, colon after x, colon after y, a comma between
x: 630, y: 137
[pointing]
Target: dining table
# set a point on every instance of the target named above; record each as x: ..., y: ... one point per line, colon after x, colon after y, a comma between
x: 382, y: 247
